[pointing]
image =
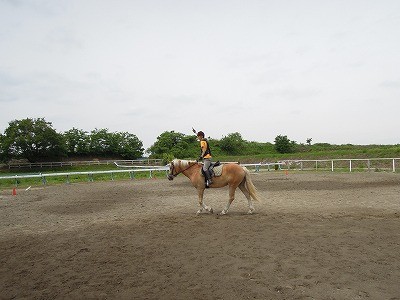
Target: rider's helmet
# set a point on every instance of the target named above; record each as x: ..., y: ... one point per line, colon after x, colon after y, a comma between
x: 201, y: 134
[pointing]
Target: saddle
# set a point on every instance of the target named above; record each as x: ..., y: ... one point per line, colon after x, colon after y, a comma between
x: 215, y: 169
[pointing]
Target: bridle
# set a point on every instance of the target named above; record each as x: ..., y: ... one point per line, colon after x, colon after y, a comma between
x: 176, y: 174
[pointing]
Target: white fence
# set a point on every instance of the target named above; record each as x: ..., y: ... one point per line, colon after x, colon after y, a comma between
x: 56, y: 164
x: 348, y: 165
x: 356, y: 164
x: 89, y: 174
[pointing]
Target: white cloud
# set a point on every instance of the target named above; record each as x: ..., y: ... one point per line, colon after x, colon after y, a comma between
x: 319, y: 69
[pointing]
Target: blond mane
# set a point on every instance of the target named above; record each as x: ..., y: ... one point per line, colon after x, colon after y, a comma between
x: 183, y: 163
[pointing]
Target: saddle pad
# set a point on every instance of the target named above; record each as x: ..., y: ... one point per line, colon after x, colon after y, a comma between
x: 217, y: 171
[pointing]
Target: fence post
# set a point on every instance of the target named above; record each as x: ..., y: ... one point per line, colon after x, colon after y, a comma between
x: 350, y: 165
x: 394, y: 166
x: 332, y: 165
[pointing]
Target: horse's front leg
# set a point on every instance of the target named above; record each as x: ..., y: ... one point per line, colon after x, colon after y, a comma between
x: 203, y: 206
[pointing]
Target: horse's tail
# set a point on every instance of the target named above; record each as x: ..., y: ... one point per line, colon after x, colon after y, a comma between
x: 250, y: 186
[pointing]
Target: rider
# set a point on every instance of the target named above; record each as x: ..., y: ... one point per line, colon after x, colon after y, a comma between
x: 205, y: 156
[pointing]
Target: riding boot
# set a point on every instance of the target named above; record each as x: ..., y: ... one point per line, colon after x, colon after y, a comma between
x: 208, y: 178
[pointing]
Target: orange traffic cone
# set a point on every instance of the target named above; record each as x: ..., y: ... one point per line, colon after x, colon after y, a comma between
x: 14, y: 192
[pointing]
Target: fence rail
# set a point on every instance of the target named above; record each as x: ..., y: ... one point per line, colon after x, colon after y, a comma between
x: 361, y: 164
x: 340, y: 164
x: 25, y: 165
x: 89, y: 174
x: 369, y: 164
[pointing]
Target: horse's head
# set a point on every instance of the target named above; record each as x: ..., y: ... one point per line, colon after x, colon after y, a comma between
x: 178, y: 166
x: 173, y: 169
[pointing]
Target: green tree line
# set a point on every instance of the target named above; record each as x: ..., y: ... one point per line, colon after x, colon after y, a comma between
x: 172, y: 144
x: 37, y: 140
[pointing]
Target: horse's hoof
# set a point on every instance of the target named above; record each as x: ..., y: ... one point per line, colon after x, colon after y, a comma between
x: 211, y: 211
x: 250, y: 212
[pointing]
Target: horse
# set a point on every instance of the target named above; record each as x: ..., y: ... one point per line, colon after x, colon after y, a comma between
x: 232, y: 175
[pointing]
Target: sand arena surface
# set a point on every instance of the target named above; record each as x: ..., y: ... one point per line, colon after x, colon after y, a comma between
x: 314, y: 236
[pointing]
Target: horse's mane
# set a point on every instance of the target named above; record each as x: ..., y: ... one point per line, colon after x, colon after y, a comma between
x: 183, y: 162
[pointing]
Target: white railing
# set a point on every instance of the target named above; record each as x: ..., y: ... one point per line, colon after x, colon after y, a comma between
x: 369, y: 164
x: 133, y: 162
x: 89, y: 174
x: 361, y: 164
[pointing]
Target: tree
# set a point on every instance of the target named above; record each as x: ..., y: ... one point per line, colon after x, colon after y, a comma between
x: 100, y: 142
x: 232, y: 144
x: 284, y: 145
x: 174, y: 144
x: 77, y: 141
x: 309, y: 140
x: 32, y: 139
x: 103, y: 143
x: 126, y: 145
x: 2, y: 148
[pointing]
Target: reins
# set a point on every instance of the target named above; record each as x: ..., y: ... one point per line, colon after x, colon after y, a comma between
x: 173, y: 167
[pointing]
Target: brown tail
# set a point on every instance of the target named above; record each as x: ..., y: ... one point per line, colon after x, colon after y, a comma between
x: 250, y: 186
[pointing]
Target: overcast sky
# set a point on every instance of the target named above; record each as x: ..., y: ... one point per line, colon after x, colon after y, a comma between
x: 326, y: 70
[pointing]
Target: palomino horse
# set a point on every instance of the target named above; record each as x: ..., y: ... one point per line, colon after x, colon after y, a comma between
x: 232, y: 175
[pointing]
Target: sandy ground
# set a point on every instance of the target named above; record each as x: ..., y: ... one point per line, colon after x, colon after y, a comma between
x: 314, y: 236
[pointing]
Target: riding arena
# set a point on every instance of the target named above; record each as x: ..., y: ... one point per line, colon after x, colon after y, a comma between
x: 311, y: 235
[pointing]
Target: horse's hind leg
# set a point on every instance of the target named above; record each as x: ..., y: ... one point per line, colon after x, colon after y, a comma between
x: 243, y: 188
x: 231, y: 198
